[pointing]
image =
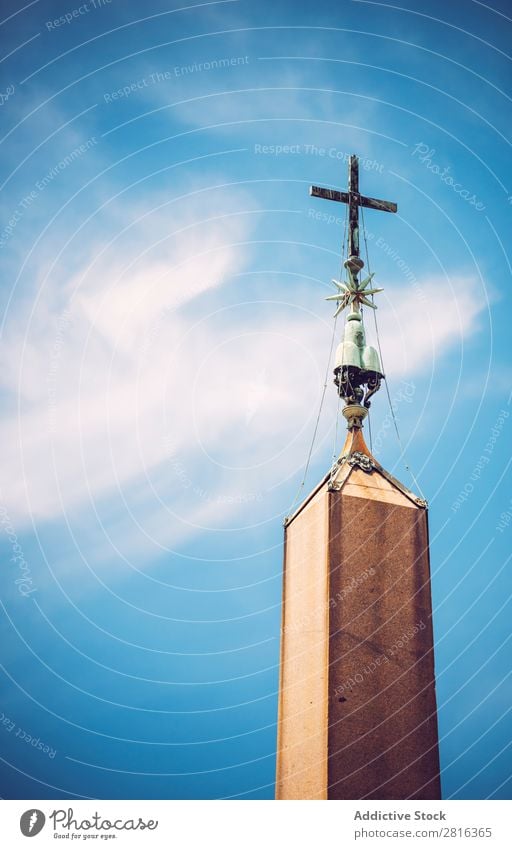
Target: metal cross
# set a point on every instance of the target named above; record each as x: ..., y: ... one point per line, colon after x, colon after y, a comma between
x: 354, y: 201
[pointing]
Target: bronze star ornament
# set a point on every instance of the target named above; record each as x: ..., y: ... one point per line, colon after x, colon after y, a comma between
x: 353, y: 292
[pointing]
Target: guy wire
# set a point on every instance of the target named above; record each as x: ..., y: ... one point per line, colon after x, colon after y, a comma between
x: 324, y: 389
x: 406, y: 464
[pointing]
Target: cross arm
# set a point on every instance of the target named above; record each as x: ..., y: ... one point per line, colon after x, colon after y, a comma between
x: 374, y: 203
x: 344, y: 197
x: 328, y: 194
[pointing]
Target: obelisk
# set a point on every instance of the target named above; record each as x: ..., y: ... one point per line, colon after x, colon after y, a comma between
x: 357, y: 703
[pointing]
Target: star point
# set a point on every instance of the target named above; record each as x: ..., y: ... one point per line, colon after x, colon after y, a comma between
x: 354, y: 291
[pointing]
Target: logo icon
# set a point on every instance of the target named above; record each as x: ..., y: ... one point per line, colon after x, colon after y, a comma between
x: 31, y: 822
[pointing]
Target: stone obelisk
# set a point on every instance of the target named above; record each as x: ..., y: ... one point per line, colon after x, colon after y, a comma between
x: 357, y: 703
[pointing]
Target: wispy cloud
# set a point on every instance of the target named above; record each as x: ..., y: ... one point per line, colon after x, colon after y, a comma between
x: 142, y: 398
x: 131, y: 372
x: 419, y: 325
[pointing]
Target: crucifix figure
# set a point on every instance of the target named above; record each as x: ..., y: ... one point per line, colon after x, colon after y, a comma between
x: 357, y: 364
x: 354, y: 201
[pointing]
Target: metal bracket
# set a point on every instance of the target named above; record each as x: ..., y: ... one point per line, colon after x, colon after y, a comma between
x: 359, y: 459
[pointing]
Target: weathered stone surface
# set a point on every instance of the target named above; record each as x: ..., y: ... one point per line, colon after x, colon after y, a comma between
x: 303, y: 692
x: 382, y: 738
x: 357, y: 708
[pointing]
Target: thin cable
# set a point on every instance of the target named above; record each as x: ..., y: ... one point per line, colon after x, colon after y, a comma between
x: 335, y: 446
x: 324, y: 390
x: 301, y: 485
x: 334, y: 463
x: 406, y: 464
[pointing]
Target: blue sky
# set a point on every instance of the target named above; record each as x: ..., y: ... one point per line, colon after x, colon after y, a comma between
x: 163, y: 350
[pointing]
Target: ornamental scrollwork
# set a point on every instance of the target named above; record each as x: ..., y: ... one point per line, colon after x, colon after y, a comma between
x: 357, y: 458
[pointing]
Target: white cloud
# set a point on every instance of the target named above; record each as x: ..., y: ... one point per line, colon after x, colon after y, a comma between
x: 419, y: 324
x: 90, y: 374
x: 152, y: 385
